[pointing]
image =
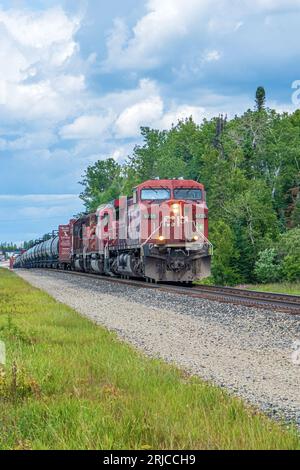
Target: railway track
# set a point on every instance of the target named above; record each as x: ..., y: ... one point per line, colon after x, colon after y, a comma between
x: 277, y: 302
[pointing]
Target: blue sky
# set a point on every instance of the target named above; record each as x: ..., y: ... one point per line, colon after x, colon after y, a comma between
x: 78, y: 79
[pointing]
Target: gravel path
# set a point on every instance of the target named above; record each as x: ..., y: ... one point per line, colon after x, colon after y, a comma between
x: 246, y: 351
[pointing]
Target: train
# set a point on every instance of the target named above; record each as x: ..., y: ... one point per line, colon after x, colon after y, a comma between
x: 159, y: 234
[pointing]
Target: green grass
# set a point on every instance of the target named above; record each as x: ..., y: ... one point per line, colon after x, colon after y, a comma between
x: 284, y: 288
x: 281, y: 288
x: 69, y: 384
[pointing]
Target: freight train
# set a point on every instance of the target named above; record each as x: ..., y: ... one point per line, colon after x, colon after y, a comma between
x: 159, y: 234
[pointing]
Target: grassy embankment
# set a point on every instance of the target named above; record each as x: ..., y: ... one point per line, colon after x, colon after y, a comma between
x: 278, y: 287
x: 284, y: 288
x: 69, y: 384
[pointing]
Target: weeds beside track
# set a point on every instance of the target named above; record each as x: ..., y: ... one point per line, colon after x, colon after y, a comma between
x: 69, y: 384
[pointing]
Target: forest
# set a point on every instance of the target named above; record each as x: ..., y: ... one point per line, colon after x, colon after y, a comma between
x: 250, y: 166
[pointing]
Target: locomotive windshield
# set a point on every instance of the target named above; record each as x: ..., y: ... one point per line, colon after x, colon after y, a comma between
x: 190, y: 194
x: 156, y: 194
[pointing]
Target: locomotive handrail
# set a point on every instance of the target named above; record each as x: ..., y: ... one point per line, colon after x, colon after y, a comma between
x: 153, y: 233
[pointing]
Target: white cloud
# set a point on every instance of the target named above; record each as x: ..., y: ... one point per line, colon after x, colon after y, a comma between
x: 126, y: 113
x: 87, y: 127
x: 34, y: 101
x: 120, y: 100
x: 35, y: 62
x: 167, y: 23
x: 39, y: 30
x: 144, y: 113
x: 45, y: 211
x: 117, y: 37
x: 212, y: 56
x: 164, y: 21
x: 69, y: 84
x: 29, y: 141
x: 238, y: 25
x: 121, y: 114
x: 272, y: 5
x: 33, y: 37
x: 12, y: 61
x: 121, y: 152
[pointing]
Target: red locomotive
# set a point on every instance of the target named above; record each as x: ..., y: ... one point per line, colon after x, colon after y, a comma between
x: 159, y: 234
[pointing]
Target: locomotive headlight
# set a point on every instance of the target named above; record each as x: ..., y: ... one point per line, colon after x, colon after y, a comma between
x: 176, y: 208
x: 195, y: 238
x: 161, y: 238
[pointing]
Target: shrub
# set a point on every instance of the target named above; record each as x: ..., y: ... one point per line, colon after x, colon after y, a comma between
x: 289, y: 251
x: 289, y: 243
x: 291, y: 268
x: 267, y: 268
x: 223, y: 270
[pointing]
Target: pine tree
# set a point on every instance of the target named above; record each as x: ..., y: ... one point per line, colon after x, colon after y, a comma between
x: 260, y: 98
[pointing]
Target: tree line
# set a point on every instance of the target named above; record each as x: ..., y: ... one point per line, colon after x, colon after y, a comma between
x: 250, y: 166
x: 6, y: 247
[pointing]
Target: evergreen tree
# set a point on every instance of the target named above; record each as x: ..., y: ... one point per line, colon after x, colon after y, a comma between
x: 260, y: 98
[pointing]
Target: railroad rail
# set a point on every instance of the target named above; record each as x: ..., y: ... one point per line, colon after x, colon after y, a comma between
x: 270, y: 301
x: 264, y: 300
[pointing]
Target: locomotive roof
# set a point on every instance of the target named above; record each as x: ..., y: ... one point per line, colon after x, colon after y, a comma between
x: 170, y: 184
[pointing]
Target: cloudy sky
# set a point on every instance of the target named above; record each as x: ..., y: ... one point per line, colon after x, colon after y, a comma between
x: 78, y: 79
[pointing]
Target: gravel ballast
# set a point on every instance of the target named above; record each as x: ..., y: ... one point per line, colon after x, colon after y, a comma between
x: 246, y: 351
